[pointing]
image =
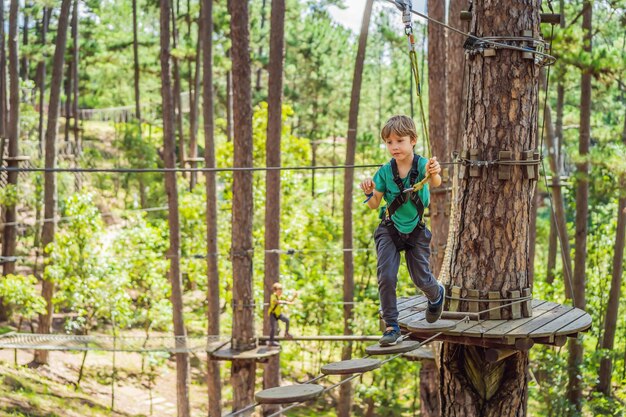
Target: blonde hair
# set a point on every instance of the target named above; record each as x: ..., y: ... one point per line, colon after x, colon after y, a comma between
x: 400, y: 125
x: 277, y: 286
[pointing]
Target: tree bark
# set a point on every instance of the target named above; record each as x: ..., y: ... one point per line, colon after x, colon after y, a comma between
x: 611, y: 315
x: 41, y: 76
x: 9, y: 239
x: 136, y: 65
x: 24, y: 65
x: 490, y: 243
x: 430, y: 405
x: 194, y: 104
x: 169, y: 159
x: 437, y: 126
x: 50, y: 184
x: 213, y: 283
x: 229, y: 100
x: 243, y: 371
x: 271, y: 375
x: 345, y: 392
x: 574, y: 388
x: 178, y: 103
x: 3, y: 79
x: 75, y: 116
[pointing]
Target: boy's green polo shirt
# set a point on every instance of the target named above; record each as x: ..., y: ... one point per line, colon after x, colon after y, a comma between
x: 406, y: 217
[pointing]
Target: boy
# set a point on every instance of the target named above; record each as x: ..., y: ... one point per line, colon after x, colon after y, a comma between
x: 402, y: 227
x: 275, y: 312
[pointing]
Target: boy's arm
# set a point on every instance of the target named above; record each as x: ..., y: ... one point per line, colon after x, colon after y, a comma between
x: 369, y: 187
x: 374, y: 202
x: 433, y: 168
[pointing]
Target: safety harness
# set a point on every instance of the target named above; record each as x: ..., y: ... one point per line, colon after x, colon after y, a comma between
x: 402, y: 240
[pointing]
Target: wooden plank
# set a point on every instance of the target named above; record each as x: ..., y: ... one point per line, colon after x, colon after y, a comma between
x: 479, y: 328
x: 560, y: 321
x: 537, y: 322
x: 494, y: 314
x: 473, y: 305
x: 527, y: 309
x: 581, y: 324
x: 510, y: 325
x: 516, y: 310
x: 454, y: 303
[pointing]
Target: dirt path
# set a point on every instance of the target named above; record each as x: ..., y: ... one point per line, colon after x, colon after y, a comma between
x: 132, y: 397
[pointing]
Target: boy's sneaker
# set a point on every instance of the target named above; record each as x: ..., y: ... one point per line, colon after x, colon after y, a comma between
x: 433, y: 311
x: 390, y: 337
x: 288, y: 336
x: 273, y: 343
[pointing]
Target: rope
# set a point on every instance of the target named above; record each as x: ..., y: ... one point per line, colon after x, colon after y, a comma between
x: 159, y: 170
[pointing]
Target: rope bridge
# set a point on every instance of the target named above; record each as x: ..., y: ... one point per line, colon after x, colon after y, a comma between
x: 66, y: 342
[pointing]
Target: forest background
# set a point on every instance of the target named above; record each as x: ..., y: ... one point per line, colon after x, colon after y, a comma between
x: 108, y: 259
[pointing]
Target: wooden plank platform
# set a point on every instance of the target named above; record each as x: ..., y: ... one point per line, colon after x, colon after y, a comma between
x: 550, y: 324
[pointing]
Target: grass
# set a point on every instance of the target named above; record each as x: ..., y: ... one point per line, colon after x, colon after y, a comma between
x: 26, y: 393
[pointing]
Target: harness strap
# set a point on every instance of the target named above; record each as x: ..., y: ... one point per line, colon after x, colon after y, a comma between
x: 401, y: 198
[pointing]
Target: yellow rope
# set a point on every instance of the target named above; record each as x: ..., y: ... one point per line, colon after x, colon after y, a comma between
x: 415, y: 71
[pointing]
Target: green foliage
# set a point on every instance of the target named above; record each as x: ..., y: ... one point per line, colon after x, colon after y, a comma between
x: 137, y: 253
x: 8, y: 195
x: 19, y: 293
x: 87, y: 284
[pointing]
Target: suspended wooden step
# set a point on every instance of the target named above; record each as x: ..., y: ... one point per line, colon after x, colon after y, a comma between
x: 260, y: 353
x: 289, y: 394
x: 401, y: 347
x: 549, y: 324
x: 424, y: 353
x: 419, y: 324
x: 351, y: 366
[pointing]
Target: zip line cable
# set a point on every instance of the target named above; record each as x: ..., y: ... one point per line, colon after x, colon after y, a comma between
x: 400, y: 4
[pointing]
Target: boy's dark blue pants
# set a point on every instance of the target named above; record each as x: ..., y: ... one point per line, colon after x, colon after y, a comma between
x: 417, y: 260
x: 274, y: 324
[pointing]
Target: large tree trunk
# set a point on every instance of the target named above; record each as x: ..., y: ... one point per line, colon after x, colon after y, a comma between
x: 136, y: 65
x: 76, y: 149
x: 575, y: 388
x: 243, y: 371
x: 178, y: 104
x: 194, y: 103
x: 490, y: 243
x: 50, y: 185
x: 169, y: 158
x: 610, y: 321
x: 430, y: 405
x: 213, y: 283
x: 41, y: 76
x: 271, y: 376
x: 3, y: 79
x: 9, y: 239
x: 437, y: 125
x: 26, y: 21
x: 345, y: 393
x: 229, y: 101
